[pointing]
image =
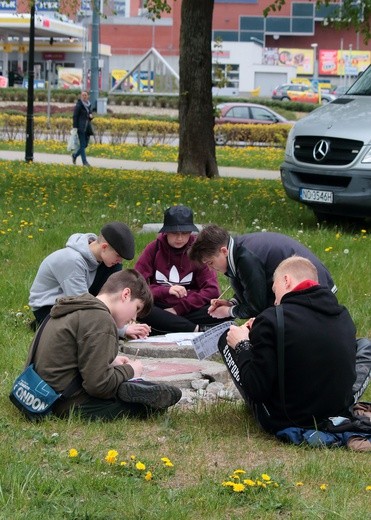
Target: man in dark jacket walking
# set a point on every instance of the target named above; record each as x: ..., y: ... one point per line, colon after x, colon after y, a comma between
x: 320, y: 353
x: 82, y: 117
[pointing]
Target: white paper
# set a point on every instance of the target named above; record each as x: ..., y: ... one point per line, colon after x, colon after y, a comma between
x: 206, y: 344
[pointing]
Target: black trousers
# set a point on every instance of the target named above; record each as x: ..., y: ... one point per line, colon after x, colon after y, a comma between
x: 163, y: 322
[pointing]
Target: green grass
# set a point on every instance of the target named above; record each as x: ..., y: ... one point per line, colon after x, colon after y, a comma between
x: 41, y: 206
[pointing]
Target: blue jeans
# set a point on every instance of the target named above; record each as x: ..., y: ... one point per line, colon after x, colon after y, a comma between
x: 84, y: 141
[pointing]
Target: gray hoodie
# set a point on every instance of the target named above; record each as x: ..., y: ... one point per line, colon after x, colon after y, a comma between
x: 67, y: 272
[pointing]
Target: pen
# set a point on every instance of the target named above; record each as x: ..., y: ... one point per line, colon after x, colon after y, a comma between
x: 136, y: 354
x: 223, y: 293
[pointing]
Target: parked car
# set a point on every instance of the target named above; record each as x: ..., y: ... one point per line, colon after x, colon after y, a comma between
x: 300, y: 93
x: 245, y: 113
x: 328, y: 155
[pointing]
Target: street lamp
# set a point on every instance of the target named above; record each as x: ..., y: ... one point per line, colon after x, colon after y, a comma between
x: 30, y: 87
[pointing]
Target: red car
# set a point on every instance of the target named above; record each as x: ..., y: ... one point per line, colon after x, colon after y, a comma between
x: 245, y: 113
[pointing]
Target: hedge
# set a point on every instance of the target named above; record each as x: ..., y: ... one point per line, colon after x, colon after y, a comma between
x: 146, y: 132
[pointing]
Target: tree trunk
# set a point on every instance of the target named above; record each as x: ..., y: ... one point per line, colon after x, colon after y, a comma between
x: 196, y: 116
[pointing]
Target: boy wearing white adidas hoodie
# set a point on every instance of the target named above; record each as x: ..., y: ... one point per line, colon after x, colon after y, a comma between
x: 181, y: 289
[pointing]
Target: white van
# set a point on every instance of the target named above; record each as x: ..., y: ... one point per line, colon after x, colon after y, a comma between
x: 328, y: 155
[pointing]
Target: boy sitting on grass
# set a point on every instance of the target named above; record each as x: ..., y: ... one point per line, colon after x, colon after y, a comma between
x: 81, y: 338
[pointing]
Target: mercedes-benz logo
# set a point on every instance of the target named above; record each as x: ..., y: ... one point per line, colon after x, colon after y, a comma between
x: 320, y: 150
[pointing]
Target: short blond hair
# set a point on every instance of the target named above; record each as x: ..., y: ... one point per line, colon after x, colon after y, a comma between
x: 298, y: 267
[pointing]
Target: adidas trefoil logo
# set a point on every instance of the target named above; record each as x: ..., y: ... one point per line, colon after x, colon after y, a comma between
x: 174, y: 278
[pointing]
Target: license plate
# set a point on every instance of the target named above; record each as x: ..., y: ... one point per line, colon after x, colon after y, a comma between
x: 326, y: 197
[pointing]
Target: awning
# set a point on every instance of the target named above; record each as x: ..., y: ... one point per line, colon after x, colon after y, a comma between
x: 45, y: 27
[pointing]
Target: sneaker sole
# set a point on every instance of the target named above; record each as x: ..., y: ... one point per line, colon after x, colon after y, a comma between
x: 156, y: 396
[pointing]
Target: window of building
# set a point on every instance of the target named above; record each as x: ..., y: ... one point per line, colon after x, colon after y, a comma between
x: 252, y: 23
x: 225, y: 36
x: 302, y: 9
x: 227, y: 74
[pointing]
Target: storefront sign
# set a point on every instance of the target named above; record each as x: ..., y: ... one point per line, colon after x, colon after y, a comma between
x: 55, y: 56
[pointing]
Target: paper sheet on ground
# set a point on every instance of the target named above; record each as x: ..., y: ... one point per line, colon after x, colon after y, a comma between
x: 204, y: 343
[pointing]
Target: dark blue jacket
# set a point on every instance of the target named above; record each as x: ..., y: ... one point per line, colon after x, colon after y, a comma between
x: 81, y: 116
x: 252, y: 260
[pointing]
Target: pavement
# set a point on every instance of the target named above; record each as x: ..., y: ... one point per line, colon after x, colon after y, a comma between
x: 121, y: 164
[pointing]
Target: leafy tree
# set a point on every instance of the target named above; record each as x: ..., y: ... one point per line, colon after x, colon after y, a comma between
x: 196, y: 113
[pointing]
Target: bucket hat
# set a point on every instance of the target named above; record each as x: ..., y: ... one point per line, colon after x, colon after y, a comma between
x: 178, y: 219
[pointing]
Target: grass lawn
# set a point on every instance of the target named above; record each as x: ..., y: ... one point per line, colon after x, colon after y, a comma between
x: 41, y: 206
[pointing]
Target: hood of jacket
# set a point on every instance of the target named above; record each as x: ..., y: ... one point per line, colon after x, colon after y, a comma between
x: 70, y: 304
x: 80, y: 243
x: 317, y: 298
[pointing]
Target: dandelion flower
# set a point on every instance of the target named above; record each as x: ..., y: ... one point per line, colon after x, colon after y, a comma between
x: 111, y: 456
x: 73, y: 453
x: 368, y: 488
x: 323, y: 487
x: 140, y: 466
x: 238, y: 488
x: 239, y: 472
x: 266, y: 477
x: 298, y: 484
x: 148, y: 476
x: 249, y: 482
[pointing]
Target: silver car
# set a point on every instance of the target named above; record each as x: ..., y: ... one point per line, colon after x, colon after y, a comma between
x: 328, y: 155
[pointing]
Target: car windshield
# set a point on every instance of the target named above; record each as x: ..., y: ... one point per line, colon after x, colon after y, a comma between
x: 362, y: 86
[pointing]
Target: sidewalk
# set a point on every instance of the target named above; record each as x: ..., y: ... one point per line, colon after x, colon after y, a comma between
x: 224, y: 171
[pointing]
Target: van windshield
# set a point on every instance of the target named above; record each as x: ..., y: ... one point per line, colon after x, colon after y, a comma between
x: 362, y: 86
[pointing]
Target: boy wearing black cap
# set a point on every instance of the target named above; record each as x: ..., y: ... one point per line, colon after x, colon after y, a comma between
x: 82, y: 266
x: 181, y: 289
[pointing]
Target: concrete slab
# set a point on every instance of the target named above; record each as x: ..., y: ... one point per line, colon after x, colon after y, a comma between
x: 163, y: 349
x: 181, y: 372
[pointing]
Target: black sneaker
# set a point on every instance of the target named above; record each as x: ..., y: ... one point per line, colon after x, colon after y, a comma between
x: 73, y: 159
x: 155, y: 395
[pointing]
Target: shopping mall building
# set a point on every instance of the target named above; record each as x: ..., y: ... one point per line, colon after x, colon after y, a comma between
x: 251, y: 50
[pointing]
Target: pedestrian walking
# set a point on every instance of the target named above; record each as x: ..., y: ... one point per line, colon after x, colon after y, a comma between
x: 82, y: 117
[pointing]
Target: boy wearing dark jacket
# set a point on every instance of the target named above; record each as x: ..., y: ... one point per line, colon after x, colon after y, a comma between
x: 181, y: 289
x: 249, y: 262
x: 319, y: 359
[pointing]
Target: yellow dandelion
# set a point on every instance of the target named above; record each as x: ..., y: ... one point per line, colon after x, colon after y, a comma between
x: 368, y: 488
x: 298, y: 484
x: 148, y: 476
x: 140, y: 466
x: 123, y: 463
x: 111, y: 457
x: 363, y: 231
x: 249, y: 482
x: 238, y: 488
x: 328, y: 249
x: 73, y: 453
x: 239, y: 472
x: 323, y: 487
x: 228, y: 483
x: 266, y: 477
x: 132, y: 457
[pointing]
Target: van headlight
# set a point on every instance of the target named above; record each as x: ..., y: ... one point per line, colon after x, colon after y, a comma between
x: 290, y: 143
x: 367, y: 157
